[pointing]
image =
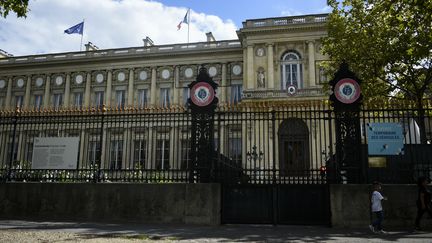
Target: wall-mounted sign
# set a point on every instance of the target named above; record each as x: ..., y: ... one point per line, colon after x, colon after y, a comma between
x: 377, y: 162
x: 385, y: 139
x: 58, y: 153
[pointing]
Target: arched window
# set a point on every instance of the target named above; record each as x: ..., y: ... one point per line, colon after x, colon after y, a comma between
x: 292, y: 73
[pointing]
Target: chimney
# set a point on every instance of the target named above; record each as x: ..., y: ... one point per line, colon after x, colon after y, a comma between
x: 210, y: 37
x: 4, y: 54
x: 148, y: 42
x: 91, y: 47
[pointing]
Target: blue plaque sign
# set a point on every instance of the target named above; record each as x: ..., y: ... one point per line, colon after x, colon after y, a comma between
x: 385, y: 139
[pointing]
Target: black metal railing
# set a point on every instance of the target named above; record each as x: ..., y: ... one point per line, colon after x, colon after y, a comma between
x: 255, y: 144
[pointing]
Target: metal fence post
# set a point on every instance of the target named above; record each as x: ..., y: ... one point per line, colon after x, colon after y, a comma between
x: 12, y: 148
x: 99, y: 167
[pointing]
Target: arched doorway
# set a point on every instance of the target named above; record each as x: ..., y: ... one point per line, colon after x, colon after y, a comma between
x: 293, y: 147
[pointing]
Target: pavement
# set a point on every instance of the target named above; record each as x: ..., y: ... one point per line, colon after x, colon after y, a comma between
x: 192, y: 233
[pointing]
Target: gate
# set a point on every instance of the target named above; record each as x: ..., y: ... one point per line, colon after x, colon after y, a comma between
x: 276, y: 204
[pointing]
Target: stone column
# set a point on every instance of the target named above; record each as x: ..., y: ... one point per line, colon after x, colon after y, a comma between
x: 130, y: 99
x: 311, y: 55
x: 250, y: 68
x: 87, y: 94
x: 108, y: 89
x: 153, y: 88
x: 176, y: 88
x: 270, y: 67
x: 9, y: 94
x: 223, y: 84
x: 46, y: 98
x: 26, y: 104
x: 66, y: 103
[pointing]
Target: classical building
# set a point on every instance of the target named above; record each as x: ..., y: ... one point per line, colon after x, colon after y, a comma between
x: 274, y: 60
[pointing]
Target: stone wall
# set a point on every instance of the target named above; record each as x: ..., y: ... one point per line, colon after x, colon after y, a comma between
x: 143, y: 203
x: 350, y: 206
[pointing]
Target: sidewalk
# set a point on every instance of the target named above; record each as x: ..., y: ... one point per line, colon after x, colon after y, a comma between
x: 29, y: 231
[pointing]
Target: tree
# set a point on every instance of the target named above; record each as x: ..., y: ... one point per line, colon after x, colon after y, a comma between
x: 20, y: 7
x: 388, y: 44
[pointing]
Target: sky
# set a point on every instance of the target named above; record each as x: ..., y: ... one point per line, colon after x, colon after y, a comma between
x: 124, y: 23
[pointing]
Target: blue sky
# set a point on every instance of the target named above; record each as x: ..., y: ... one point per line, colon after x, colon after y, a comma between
x: 240, y: 10
x: 124, y: 23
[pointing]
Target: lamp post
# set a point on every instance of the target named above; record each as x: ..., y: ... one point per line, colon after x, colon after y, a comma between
x: 254, y: 156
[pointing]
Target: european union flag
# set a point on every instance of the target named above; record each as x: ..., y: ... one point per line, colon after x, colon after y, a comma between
x: 78, y: 29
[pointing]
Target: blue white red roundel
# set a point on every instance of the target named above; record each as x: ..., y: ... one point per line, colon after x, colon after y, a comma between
x: 202, y: 94
x: 347, y: 91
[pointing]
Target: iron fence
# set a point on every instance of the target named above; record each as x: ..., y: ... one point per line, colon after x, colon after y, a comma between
x: 254, y: 144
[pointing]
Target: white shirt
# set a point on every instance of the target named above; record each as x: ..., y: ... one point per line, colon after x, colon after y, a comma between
x: 376, y: 201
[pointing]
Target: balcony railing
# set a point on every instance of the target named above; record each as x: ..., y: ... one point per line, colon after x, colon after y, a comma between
x: 293, y: 20
x: 264, y: 94
x: 174, y: 48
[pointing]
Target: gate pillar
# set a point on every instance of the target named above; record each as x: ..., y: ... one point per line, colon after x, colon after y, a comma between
x: 346, y: 100
x: 203, y: 103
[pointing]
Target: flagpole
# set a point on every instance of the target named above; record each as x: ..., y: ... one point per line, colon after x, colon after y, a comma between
x: 188, y: 25
x: 82, y: 36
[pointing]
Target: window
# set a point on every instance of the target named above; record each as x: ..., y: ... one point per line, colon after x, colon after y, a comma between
x: 165, y: 97
x: 116, y: 154
x: 19, y: 101
x: 235, y: 150
x: 291, y: 70
x: 99, y: 99
x: 120, y: 98
x: 162, y: 154
x: 14, y: 155
x: 58, y: 101
x: 29, y: 146
x: 185, y: 96
x: 78, y: 99
x: 185, y: 153
x: 93, y: 151
x: 142, y: 98
x: 140, y: 153
x: 236, y: 92
x: 38, y: 102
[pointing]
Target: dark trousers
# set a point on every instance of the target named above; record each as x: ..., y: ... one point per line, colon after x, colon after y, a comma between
x: 378, y: 221
x: 420, y: 213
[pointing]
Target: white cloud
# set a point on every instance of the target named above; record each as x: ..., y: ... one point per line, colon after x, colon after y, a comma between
x: 108, y: 24
x: 291, y: 12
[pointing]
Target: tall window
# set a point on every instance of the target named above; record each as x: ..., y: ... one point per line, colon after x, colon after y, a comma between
x: 142, y: 98
x: 185, y: 96
x: 14, y: 154
x: 78, y: 99
x: 93, y: 151
x: 291, y: 70
x: 185, y: 153
x: 236, y: 92
x: 165, y: 97
x: 235, y: 150
x: 19, y: 101
x: 116, y: 154
x: 57, y: 101
x: 140, y: 153
x: 99, y: 99
x: 120, y: 98
x: 38, y: 102
x: 162, y: 154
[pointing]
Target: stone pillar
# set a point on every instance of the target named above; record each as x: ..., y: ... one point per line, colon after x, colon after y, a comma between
x: 130, y: 99
x: 46, y: 98
x: 153, y: 88
x: 66, y: 103
x: 270, y: 67
x: 87, y: 94
x: 108, y: 89
x: 176, y: 85
x: 27, y: 93
x: 223, y: 84
x: 9, y: 94
x: 250, y: 68
x: 311, y: 55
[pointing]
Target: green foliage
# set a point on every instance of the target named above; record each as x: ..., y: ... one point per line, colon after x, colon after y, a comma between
x: 20, y: 7
x: 386, y: 43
